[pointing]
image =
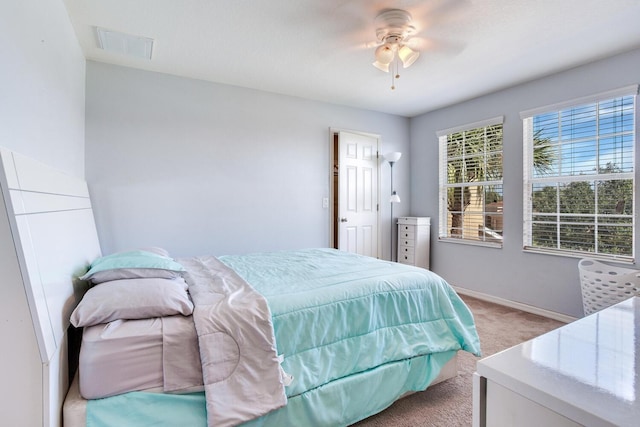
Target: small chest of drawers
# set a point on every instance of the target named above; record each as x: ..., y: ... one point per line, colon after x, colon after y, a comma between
x: 413, y: 241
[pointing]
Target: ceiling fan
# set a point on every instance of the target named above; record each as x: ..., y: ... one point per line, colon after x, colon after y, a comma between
x: 394, y: 32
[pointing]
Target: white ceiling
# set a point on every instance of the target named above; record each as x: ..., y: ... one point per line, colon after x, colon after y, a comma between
x: 321, y: 49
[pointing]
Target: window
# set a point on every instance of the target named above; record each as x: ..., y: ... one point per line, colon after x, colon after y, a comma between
x: 471, y: 198
x: 579, y: 176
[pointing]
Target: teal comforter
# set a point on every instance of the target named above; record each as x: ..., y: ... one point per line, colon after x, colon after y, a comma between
x: 355, y: 332
x: 336, y: 313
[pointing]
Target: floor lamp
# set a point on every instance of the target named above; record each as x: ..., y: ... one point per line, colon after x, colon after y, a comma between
x: 392, y: 158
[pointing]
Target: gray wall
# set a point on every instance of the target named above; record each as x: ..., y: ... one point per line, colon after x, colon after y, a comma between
x: 202, y: 168
x: 42, y: 80
x: 544, y: 281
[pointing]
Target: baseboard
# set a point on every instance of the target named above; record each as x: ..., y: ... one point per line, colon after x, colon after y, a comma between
x: 517, y: 305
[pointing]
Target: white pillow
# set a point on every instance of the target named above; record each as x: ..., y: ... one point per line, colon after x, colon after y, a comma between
x: 132, y: 299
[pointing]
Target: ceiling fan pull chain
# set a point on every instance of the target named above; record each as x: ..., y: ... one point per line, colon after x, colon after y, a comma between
x: 393, y: 78
x: 395, y: 73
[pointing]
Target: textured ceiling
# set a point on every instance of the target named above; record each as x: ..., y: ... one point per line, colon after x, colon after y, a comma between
x: 322, y: 49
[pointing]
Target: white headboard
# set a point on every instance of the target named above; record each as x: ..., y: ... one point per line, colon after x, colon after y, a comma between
x: 47, y: 239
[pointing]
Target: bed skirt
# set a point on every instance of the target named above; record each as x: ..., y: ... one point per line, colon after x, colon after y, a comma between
x: 337, y: 403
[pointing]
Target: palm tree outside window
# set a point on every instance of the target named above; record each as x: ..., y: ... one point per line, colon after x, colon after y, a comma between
x: 471, y: 196
x: 582, y: 201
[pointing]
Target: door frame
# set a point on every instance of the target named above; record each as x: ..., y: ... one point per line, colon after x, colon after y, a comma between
x: 333, y: 132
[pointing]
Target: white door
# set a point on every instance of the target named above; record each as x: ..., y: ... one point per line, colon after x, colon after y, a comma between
x: 357, y: 219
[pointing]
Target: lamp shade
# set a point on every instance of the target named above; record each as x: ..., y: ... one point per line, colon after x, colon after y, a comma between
x: 384, y: 56
x: 394, y: 198
x: 382, y: 67
x: 407, y: 56
x: 393, y: 156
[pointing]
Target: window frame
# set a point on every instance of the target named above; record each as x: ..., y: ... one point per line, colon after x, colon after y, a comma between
x: 529, y: 180
x: 443, y: 185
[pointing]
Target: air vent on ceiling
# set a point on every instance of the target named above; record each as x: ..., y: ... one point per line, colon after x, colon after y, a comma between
x: 126, y: 44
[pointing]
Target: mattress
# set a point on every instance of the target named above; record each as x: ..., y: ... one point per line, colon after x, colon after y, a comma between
x: 129, y: 355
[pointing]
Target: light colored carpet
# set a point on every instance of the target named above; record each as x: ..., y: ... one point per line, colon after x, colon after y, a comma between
x: 449, y: 404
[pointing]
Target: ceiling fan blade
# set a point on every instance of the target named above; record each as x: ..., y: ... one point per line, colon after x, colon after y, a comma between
x: 435, y: 45
x: 437, y: 12
x: 417, y: 43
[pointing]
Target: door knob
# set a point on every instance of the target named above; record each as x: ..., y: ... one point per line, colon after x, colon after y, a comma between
x: 343, y: 219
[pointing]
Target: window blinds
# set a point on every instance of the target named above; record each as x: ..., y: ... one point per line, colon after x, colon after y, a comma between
x: 578, y: 171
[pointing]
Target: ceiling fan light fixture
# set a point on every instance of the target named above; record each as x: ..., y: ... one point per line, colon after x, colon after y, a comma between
x: 384, y: 54
x: 394, y: 30
x: 382, y: 67
x: 407, y: 55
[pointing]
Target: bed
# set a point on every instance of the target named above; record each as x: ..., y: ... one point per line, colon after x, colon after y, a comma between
x: 50, y: 239
x: 351, y: 334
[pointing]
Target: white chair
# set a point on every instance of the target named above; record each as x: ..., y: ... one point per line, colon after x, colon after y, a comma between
x: 604, y: 285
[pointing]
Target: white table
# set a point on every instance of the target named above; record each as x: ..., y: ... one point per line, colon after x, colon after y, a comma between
x: 584, y: 373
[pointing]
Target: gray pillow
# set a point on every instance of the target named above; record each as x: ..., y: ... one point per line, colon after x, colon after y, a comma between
x: 132, y: 299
